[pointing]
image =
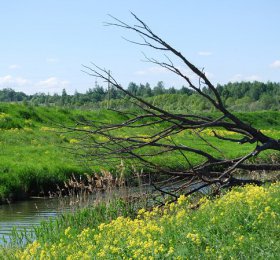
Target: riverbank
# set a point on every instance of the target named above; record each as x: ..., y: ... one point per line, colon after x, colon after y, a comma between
x: 37, y: 156
x: 243, y: 223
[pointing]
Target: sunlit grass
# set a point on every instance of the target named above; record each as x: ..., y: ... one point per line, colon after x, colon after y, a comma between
x: 33, y: 158
x: 244, y: 223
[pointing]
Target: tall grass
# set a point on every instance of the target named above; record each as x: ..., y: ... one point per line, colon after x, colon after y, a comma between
x: 242, y: 224
x: 34, y: 157
x: 84, y: 211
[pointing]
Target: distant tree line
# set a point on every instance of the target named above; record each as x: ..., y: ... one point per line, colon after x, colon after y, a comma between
x: 238, y: 96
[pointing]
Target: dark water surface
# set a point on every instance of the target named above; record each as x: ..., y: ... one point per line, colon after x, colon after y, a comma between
x: 23, y: 214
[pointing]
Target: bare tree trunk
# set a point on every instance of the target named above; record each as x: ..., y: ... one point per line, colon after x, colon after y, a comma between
x: 161, y: 128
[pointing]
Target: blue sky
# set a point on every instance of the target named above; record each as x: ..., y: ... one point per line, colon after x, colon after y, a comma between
x: 44, y: 43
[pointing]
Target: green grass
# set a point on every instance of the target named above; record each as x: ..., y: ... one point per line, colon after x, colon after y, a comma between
x: 103, y: 211
x: 34, y: 158
x: 244, y: 223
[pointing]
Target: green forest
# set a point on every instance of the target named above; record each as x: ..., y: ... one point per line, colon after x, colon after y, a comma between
x: 237, y: 96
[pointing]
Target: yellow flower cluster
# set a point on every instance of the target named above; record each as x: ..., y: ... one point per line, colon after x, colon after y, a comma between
x: 195, y: 238
x: 11, y: 130
x: 47, y: 129
x: 223, y: 133
x: 3, y: 115
x: 220, y: 132
x: 271, y: 132
x: 73, y: 141
x: 217, y: 229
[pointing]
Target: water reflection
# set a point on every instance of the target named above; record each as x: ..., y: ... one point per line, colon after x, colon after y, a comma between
x: 24, y: 214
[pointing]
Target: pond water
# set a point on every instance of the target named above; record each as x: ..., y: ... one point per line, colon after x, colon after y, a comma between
x: 23, y: 214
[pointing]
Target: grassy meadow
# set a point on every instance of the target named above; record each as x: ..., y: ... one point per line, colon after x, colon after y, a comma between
x: 243, y: 223
x: 33, y: 150
x: 34, y: 158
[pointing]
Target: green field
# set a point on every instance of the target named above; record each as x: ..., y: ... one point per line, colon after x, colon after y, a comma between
x: 244, y: 223
x: 37, y: 155
x: 34, y: 158
x: 33, y: 149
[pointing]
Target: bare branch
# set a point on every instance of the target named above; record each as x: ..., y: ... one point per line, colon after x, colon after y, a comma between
x: 162, y: 132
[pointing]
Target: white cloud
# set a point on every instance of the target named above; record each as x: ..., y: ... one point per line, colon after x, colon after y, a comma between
x: 53, y: 82
x: 52, y: 60
x: 10, y: 81
x: 51, y: 85
x: 204, y: 53
x: 253, y: 78
x: 236, y: 77
x: 275, y: 64
x: 241, y: 77
x: 14, y: 66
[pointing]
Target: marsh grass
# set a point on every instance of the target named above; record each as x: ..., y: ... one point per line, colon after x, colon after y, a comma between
x: 36, y: 156
x: 84, y: 208
x: 243, y: 223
